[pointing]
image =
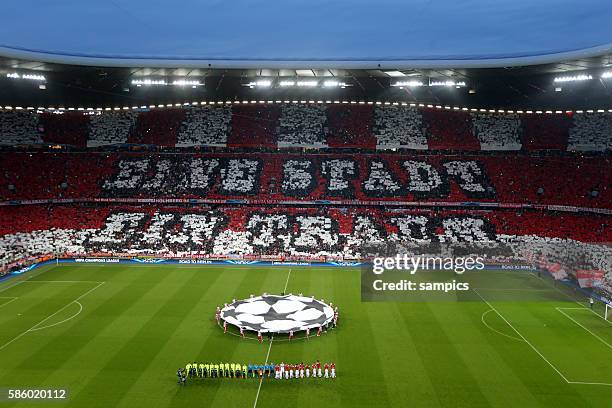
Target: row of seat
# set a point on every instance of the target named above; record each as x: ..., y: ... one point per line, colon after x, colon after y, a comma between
x: 577, y: 240
x: 504, y: 178
x: 313, y: 126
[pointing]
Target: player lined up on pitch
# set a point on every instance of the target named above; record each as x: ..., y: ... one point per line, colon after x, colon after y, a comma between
x: 236, y: 370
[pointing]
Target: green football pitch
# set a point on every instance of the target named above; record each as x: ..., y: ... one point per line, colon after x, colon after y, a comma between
x: 114, y: 336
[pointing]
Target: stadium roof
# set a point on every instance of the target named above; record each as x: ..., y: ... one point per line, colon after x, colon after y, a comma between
x: 356, y: 34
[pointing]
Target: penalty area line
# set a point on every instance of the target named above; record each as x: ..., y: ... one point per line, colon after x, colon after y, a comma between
x: 585, y: 328
x: 35, y: 327
x: 523, y: 337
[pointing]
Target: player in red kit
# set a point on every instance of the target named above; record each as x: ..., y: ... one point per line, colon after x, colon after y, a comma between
x: 333, y: 370
x: 326, y: 370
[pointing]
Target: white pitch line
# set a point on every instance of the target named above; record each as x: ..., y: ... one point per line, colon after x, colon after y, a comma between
x: 61, y: 281
x: 582, y: 306
x: 589, y: 383
x: 482, y: 318
x: 270, y: 347
x: 523, y: 337
x: 12, y: 300
x: 287, y: 281
x: 63, y: 321
x: 48, y: 317
x: 589, y: 309
x: 579, y: 324
x: 261, y: 379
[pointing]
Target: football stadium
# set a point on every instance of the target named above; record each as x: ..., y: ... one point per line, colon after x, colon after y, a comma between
x: 348, y: 204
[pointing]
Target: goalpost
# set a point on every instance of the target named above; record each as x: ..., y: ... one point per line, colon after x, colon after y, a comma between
x: 608, y: 312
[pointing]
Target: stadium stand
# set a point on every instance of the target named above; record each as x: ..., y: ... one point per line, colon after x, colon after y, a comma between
x: 405, y: 197
x: 19, y: 128
x: 157, y: 127
x: 254, y: 126
x: 313, y: 126
x: 497, y: 132
x: 350, y: 127
x: 69, y: 128
x: 335, y: 233
x: 205, y: 126
x: 302, y: 126
x: 399, y: 127
x: 508, y: 178
x: 110, y: 128
x: 591, y: 132
x: 449, y: 130
x: 545, y: 132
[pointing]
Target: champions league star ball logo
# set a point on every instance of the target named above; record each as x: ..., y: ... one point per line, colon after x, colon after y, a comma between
x: 278, y: 314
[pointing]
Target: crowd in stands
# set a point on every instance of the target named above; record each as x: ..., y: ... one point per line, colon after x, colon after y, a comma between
x: 497, y: 132
x: 313, y: 126
x: 19, y: 127
x: 398, y: 127
x: 328, y: 232
x: 110, y: 128
x: 253, y: 126
x: 350, y: 127
x: 501, y: 167
x: 591, y: 132
x: 207, y: 126
x: 508, y: 178
x: 302, y: 126
x: 450, y: 130
x: 157, y: 127
x: 67, y: 129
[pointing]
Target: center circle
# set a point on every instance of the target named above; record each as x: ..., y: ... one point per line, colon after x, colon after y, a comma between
x: 278, y: 313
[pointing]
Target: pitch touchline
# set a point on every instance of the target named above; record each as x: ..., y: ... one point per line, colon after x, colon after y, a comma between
x: 270, y: 346
x: 50, y: 316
